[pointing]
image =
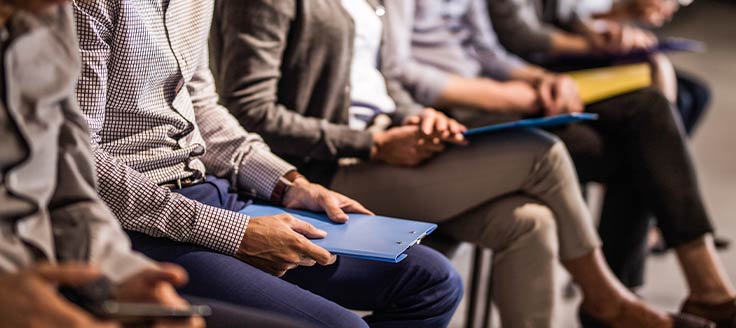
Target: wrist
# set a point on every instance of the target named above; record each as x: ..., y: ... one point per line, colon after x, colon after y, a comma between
x: 284, y: 185
x: 377, y: 145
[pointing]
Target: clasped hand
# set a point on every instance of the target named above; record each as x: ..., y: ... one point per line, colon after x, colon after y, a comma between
x: 421, y: 137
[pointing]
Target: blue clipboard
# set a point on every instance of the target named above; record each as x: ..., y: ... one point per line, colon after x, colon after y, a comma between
x: 542, y: 122
x: 377, y: 238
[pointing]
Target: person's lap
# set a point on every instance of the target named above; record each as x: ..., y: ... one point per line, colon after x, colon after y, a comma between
x: 317, y: 295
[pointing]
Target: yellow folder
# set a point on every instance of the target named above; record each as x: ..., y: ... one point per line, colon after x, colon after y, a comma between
x: 606, y: 82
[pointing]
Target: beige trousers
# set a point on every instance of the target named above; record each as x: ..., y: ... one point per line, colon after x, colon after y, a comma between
x: 514, y: 192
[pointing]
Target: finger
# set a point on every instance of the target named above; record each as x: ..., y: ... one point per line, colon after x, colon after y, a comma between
x: 413, y: 120
x: 67, y: 274
x: 331, y: 205
x: 307, y: 229
x: 307, y: 261
x: 319, y: 254
x: 428, y: 123
x: 442, y: 125
x: 561, y: 100
x: 545, y: 94
x: 350, y: 205
x: 433, y: 147
x: 165, y: 272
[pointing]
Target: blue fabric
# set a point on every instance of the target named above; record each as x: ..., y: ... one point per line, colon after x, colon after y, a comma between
x: 421, y: 291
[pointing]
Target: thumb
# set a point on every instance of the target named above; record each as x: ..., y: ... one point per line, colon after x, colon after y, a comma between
x: 307, y: 229
x: 67, y: 274
x: 165, y: 272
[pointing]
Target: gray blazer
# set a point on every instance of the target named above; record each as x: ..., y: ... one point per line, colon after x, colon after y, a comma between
x: 525, y: 27
x: 50, y: 208
x: 283, y: 69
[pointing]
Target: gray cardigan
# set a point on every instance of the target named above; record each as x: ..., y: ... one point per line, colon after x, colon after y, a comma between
x: 283, y: 69
x: 49, y: 207
x: 525, y: 27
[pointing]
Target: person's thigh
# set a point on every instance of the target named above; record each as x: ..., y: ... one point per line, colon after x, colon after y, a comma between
x: 226, y: 315
x: 423, y: 290
x: 227, y: 279
x: 459, y: 179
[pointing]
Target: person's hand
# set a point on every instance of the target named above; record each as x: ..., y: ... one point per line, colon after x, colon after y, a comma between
x: 30, y: 299
x: 437, y: 126
x: 156, y: 285
x: 652, y: 12
x: 277, y: 244
x: 404, y: 146
x: 310, y: 196
x: 623, y: 38
x: 559, y: 94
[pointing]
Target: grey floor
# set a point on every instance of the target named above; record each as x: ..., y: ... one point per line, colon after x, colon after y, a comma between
x: 714, y: 149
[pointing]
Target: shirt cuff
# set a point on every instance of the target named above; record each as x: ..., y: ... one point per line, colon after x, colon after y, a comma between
x: 433, y: 84
x: 120, y: 267
x: 260, y: 172
x: 219, y: 229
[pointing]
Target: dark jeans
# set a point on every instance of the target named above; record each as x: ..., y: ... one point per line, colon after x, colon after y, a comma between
x: 421, y: 291
x: 230, y: 316
x: 638, y: 149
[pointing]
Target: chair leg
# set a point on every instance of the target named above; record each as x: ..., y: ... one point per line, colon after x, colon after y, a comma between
x: 476, y: 271
x: 489, y: 298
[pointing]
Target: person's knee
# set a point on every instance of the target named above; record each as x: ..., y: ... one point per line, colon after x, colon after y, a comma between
x: 535, y: 141
x: 541, y: 229
x: 436, y: 277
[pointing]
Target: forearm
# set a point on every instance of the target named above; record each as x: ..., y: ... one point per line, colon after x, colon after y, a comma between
x: 480, y: 93
x: 564, y: 43
x: 141, y: 205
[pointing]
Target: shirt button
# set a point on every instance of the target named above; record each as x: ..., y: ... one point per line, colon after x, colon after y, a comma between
x: 380, y: 11
x: 198, y: 150
x: 347, y: 89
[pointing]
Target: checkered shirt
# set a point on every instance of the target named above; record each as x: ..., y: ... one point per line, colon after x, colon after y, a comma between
x: 149, y: 98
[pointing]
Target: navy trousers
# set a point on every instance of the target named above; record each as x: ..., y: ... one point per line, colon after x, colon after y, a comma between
x: 421, y: 291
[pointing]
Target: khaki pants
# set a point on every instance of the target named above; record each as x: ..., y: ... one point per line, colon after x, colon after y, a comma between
x: 513, y: 192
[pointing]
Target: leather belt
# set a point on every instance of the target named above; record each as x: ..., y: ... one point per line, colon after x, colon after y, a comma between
x: 183, y: 182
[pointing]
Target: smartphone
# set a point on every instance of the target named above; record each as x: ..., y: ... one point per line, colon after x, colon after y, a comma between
x: 128, y: 312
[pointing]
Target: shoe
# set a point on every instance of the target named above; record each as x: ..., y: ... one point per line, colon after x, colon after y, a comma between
x: 721, y: 243
x: 681, y: 320
x: 723, y: 314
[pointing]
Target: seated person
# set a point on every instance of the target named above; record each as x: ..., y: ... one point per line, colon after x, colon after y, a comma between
x: 306, y: 75
x: 54, y: 229
x: 543, y: 30
x: 446, y: 55
x: 176, y: 168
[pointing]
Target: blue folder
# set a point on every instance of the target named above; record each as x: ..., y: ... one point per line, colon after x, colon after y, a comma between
x: 377, y: 238
x: 542, y: 122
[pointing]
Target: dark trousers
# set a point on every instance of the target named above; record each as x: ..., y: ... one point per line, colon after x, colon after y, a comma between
x: 230, y: 316
x: 638, y: 149
x: 421, y: 291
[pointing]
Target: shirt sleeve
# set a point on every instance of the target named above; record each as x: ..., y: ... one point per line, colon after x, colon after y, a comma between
x: 495, y: 60
x: 231, y: 151
x: 75, y: 196
x: 425, y: 82
x: 519, y: 27
x: 249, y: 54
x: 138, y: 203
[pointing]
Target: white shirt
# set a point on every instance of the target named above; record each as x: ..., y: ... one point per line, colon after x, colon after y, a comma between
x: 368, y: 93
